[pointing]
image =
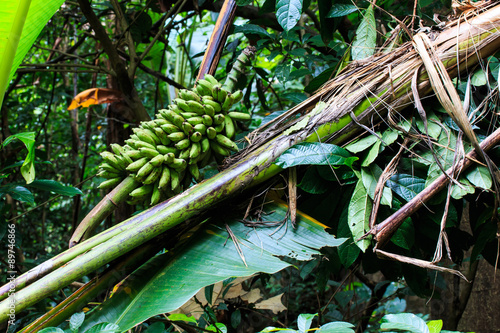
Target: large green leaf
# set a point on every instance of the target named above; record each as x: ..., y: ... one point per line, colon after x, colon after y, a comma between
x: 56, y: 187
x: 365, y: 41
x: 406, y: 186
x: 480, y: 176
x: 209, y: 256
x: 404, y: 322
x: 370, y: 176
x: 315, y: 153
x: 28, y: 167
x: 341, y: 9
x: 358, y: 216
x: 288, y: 13
x: 19, y: 28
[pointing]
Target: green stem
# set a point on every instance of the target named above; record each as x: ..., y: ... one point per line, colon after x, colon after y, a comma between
x: 239, y: 67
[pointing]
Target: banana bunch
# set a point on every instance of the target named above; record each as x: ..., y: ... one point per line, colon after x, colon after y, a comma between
x: 166, y: 154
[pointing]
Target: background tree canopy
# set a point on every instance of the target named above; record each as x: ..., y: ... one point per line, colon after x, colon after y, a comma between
x: 294, y: 241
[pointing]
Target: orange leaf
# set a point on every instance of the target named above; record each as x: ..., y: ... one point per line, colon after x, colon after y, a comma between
x: 95, y: 96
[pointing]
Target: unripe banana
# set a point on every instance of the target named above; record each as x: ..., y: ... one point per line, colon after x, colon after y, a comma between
x: 108, y: 167
x: 195, y: 172
x: 178, y: 164
x: 169, y: 158
x: 110, y: 183
x: 205, y: 145
x: 177, y: 136
x: 218, y: 119
x: 124, y: 159
x: 211, y: 133
x: 155, y: 196
x: 131, y: 143
x: 195, y: 120
x: 189, y: 95
x: 183, y: 144
x: 225, y: 142
x: 209, y: 110
x: 195, y: 150
x: 144, y: 171
x: 228, y: 102
x: 229, y: 127
x: 144, y: 136
x: 207, y: 120
x: 200, y: 128
x: 218, y: 149
x: 157, y: 160
x: 196, y: 137
x: 219, y: 128
x: 204, y: 88
x: 108, y: 174
x: 148, y: 152
x: 184, y: 154
x: 143, y: 144
x: 187, y: 128
x: 182, y: 104
x: 174, y: 118
x: 165, y: 150
x: 239, y: 115
x: 133, y: 154
x: 216, y: 106
x: 164, y: 178
x: 205, y: 160
x: 162, y: 135
x: 211, y: 79
x: 117, y: 149
x: 215, y: 92
x: 160, y: 122
x: 237, y: 96
x: 111, y: 159
x: 153, y: 176
x: 196, y: 107
x: 137, y: 165
x: 175, y: 108
x: 187, y: 115
x: 142, y: 191
x: 222, y: 95
x: 170, y: 128
x: 175, y: 181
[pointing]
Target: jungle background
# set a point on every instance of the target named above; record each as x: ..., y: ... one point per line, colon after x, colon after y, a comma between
x: 146, y: 50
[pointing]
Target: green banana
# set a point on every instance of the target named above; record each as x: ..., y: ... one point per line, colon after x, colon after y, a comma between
x: 218, y: 119
x: 229, y: 127
x: 144, y: 136
x: 111, y: 159
x: 215, y: 92
x: 183, y: 144
x: 187, y: 115
x: 225, y: 142
x: 184, y: 154
x: 133, y: 154
x: 219, y: 128
x: 204, y: 88
x: 174, y: 180
x: 157, y: 160
x: 196, y: 137
x: 144, y: 171
x: 207, y: 120
x: 177, y: 136
x: 165, y: 149
x: 137, y: 165
x: 189, y: 95
x: 209, y: 110
x: 141, y: 191
x: 182, y: 104
x: 237, y: 96
x: 195, y: 107
x: 227, y: 103
x: 170, y: 128
x: 211, y: 79
x: 195, y: 150
x: 216, y: 106
x: 148, y: 152
x: 109, y: 183
x: 169, y: 158
x: 143, y: 144
x: 117, y: 149
x: 200, y: 128
x: 239, y: 115
x: 153, y: 176
x: 211, y: 133
x: 156, y: 196
x: 108, y: 174
x: 107, y: 167
x: 162, y: 135
x: 218, y: 149
x: 178, y: 164
x: 205, y: 145
x: 164, y: 178
x: 187, y: 128
x: 195, y: 120
x: 222, y: 95
x: 195, y: 172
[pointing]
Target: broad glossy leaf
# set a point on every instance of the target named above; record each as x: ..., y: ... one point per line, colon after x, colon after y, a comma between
x: 479, y: 78
x: 406, y: 186
x: 459, y: 193
x: 56, y: 187
x: 76, y: 321
x: 365, y: 41
x: 288, y: 13
x: 444, y: 154
x: 337, y: 327
x: 20, y: 24
x: 370, y: 176
x: 341, y: 9
x: 361, y: 144
x: 404, y: 236
x: 358, y: 216
x: 251, y: 29
x: 405, y: 322
x: 209, y: 256
x: 304, y: 321
x: 434, y: 130
x: 51, y: 330
x: 479, y: 176
x: 372, y: 154
x: 319, y: 80
x: 104, y: 328
x: 315, y: 154
x: 28, y: 167
x: 313, y: 183
x: 435, y: 326
x: 389, y: 136
x: 19, y: 193
x: 348, y: 251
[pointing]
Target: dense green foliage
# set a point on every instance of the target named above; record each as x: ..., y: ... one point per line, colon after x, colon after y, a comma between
x: 157, y: 49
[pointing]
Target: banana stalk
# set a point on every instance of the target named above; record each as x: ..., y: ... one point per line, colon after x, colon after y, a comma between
x: 385, y: 79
